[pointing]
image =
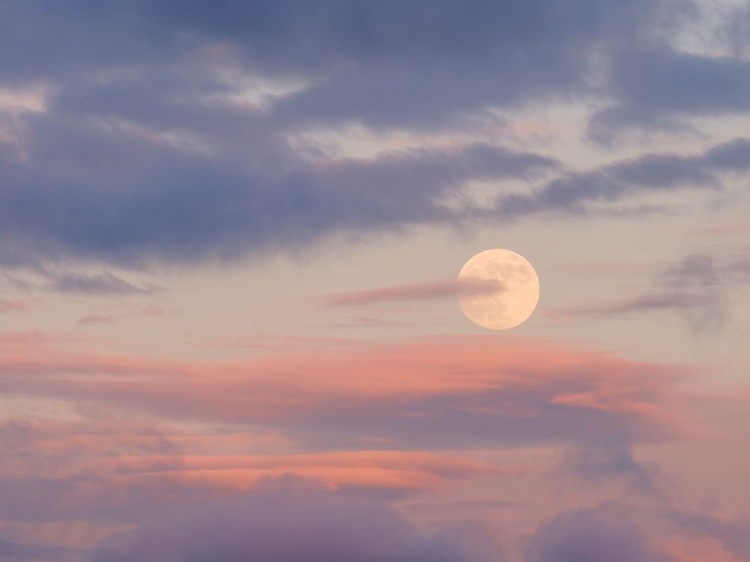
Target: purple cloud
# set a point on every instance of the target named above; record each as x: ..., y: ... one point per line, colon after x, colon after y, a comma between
x: 603, y: 534
x: 286, y: 522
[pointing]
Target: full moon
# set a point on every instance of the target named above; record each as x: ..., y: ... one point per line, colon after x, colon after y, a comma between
x: 498, y: 289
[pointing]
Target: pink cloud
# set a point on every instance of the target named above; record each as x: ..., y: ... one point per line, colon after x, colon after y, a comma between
x: 285, y: 344
x: 14, y: 306
x: 96, y: 319
x: 447, y: 389
x: 153, y: 309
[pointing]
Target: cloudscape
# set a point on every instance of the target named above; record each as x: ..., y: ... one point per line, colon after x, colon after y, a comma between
x: 232, y: 236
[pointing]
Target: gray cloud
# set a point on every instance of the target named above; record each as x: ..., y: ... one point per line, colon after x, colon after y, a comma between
x: 699, y: 288
x: 702, y: 276
x: 104, y: 283
x: 417, y: 291
x: 130, y: 163
x: 659, y: 88
x: 198, y: 209
x: 611, y: 459
x: 182, y: 208
x: 108, y: 184
x: 539, y: 42
x: 626, y: 179
x: 678, y: 302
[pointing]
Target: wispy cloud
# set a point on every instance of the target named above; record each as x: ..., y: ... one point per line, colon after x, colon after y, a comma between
x: 577, y: 191
x: 417, y: 291
x: 96, y: 319
x: 151, y: 310
x: 639, y: 304
x: 699, y: 288
x: 14, y: 306
x: 104, y: 283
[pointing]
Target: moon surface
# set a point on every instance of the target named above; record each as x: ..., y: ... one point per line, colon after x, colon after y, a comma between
x: 498, y: 289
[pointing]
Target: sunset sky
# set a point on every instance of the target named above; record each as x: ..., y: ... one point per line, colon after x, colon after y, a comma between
x: 229, y: 238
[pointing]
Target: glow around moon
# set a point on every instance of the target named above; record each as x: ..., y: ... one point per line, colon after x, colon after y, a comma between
x: 498, y: 289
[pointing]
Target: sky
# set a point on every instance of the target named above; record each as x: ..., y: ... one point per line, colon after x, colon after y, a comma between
x: 229, y: 235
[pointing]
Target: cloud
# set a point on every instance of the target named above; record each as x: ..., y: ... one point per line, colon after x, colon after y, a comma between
x: 660, y: 88
x: 96, y: 319
x: 402, y: 70
x: 117, y: 470
x: 638, y: 304
x: 151, y: 310
x: 733, y: 535
x: 575, y: 192
x: 182, y: 220
x: 149, y: 145
x: 698, y: 288
x: 418, y: 291
x: 611, y: 459
x: 13, y: 306
x: 606, y: 533
x: 702, y: 275
x: 621, y: 532
x: 104, y: 283
x: 283, y: 523
x: 516, y: 391
x: 284, y: 344
x: 19, y: 551
x: 191, y: 207
x: 380, y: 62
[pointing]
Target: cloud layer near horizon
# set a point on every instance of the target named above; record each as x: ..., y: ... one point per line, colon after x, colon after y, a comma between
x: 281, y: 524
x: 291, y: 520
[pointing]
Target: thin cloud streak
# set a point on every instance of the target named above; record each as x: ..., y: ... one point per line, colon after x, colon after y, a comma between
x: 416, y: 292
x: 14, y: 306
x: 699, y: 288
x: 629, y: 306
x: 104, y: 283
